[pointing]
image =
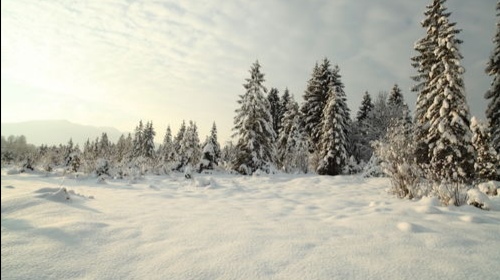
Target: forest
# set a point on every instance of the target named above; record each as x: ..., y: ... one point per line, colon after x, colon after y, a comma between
x: 439, y: 149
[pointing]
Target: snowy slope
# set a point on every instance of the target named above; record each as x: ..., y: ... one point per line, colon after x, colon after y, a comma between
x: 236, y: 227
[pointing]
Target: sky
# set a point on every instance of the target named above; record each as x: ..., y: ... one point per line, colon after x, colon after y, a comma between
x: 114, y: 62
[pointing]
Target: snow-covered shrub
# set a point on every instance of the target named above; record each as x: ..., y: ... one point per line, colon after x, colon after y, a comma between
x: 244, y: 169
x: 478, y: 199
x: 27, y: 165
x: 372, y: 168
x: 395, y: 151
x: 353, y: 167
x: 188, y: 172
x: 74, y: 162
x: 258, y: 173
x: 451, y: 193
x: 102, y: 167
x: 489, y: 188
x: 486, y: 164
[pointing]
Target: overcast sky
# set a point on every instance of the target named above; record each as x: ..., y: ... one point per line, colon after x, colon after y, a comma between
x: 115, y: 62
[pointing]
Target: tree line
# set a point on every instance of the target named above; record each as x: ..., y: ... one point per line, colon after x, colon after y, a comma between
x: 439, y: 149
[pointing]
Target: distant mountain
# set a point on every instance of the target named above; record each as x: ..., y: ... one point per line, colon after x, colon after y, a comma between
x: 55, y: 132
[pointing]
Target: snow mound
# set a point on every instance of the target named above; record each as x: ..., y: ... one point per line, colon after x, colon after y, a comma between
x: 153, y: 187
x: 489, y: 188
x: 13, y: 171
x: 60, y: 194
x: 471, y: 219
x: 406, y: 227
x: 478, y: 199
x: 426, y: 209
x: 428, y: 205
x: 430, y: 201
x: 55, y: 194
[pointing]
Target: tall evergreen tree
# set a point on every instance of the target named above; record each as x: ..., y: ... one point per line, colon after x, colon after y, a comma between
x: 365, y: 108
x: 138, y: 139
x: 397, y: 106
x: 423, y: 63
x: 228, y: 154
x: 360, y: 146
x: 253, y: 126
x: 285, y: 98
x: 211, y: 152
x: 395, y: 97
x: 122, y: 148
x: 129, y: 146
x: 493, y: 94
x: 274, y: 108
x: 315, y: 99
x: 448, y: 136
x: 167, y: 152
x: 104, y: 146
x: 190, y: 151
x: 292, y: 141
x: 148, y: 144
x: 487, y: 164
x: 178, y: 140
x: 335, y: 127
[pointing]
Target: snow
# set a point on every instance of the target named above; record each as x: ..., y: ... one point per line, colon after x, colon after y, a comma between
x: 489, y: 187
x: 478, y: 199
x: 225, y: 226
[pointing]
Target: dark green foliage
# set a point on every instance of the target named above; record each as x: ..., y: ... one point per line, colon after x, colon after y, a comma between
x: 493, y: 94
x: 253, y: 127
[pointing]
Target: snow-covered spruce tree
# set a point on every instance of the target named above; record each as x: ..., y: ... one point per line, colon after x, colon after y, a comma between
x: 165, y: 155
x: 285, y: 98
x: 274, y: 108
x: 67, y: 151
x: 138, y: 139
x: 211, y: 152
x: 423, y: 62
x: 167, y: 152
x: 379, y: 119
x: 493, y: 94
x: 122, y: 155
x: 190, y: 150
x: 443, y: 137
x: 334, y: 142
x: 396, y: 104
x: 449, y: 137
x: 360, y: 147
x: 395, y: 98
x: 143, y: 150
x: 72, y: 157
x: 253, y: 127
x: 88, y: 157
x: 120, y: 149
x: 228, y: 155
x: 105, y: 146
x: 292, y: 142
x: 315, y: 98
x: 487, y: 163
x: 365, y: 108
x: 148, y: 144
x: 179, y: 160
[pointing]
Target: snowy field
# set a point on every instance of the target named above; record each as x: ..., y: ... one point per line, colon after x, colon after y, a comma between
x: 238, y: 227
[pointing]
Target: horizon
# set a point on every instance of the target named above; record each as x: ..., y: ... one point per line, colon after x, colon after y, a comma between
x: 113, y: 64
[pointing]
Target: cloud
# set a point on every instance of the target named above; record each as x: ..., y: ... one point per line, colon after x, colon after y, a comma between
x: 166, y: 61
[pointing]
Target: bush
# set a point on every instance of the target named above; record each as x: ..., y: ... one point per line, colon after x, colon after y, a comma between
x: 396, y: 154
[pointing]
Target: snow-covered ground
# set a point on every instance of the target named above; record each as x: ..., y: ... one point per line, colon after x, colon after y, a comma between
x: 238, y: 227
